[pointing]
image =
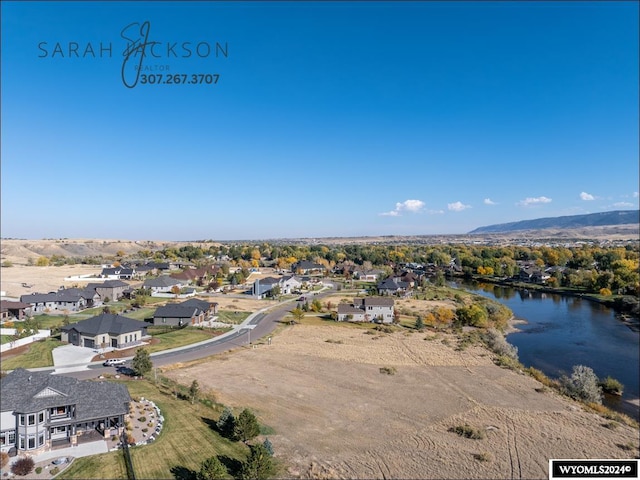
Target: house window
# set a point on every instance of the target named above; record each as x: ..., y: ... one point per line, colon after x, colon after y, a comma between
x: 11, y: 438
x: 21, y: 419
x: 21, y: 442
x: 31, y: 442
x: 31, y: 420
x: 41, y: 417
x: 61, y: 429
x: 41, y: 439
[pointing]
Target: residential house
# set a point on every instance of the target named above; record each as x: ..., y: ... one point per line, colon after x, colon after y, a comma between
x: 367, y: 275
x: 178, y: 315
x: 367, y: 309
x: 210, y: 308
x: 14, y: 310
x: 111, y: 289
x: 69, y: 299
x: 305, y: 267
x: 105, y: 330
x: 263, y: 287
x: 162, y: 284
x: 533, y: 274
x: 40, y: 411
x: 392, y: 286
x: 118, y: 273
x: 198, y: 276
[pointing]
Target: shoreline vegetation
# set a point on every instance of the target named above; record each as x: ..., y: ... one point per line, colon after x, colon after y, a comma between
x: 625, y: 305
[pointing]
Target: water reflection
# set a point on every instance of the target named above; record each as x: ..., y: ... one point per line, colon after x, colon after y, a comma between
x: 563, y: 331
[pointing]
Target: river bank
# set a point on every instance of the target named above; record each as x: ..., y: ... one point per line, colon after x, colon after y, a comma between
x: 626, y: 305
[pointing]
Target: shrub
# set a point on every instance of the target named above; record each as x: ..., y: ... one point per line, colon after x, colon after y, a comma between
x: 499, y: 345
x: 54, y: 471
x: 388, y: 370
x: 38, y: 470
x: 468, y: 431
x: 612, y: 386
x: 4, y: 459
x: 23, y: 466
x: 144, y: 430
x: 582, y: 385
x: 482, y: 457
x: 142, y: 419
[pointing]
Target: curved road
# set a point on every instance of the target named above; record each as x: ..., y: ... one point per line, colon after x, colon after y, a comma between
x: 260, y: 324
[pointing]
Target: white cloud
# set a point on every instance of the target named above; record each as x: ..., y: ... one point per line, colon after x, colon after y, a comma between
x: 635, y: 194
x: 586, y: 196
x: 413, y: 206
x: 488, y: 201
x: 623, y: 204
x: 435, y: 212
x: 410, y: 205
x: 533, y: 201
x: 457, y: 206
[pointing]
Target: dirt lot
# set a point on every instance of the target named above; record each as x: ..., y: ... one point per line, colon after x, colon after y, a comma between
x: 335, y: 415
x: 41, y: 279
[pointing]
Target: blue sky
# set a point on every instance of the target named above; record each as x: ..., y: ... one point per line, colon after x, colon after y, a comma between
x: 328, y: 119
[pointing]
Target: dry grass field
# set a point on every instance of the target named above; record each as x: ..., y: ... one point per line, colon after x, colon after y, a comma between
x: 337, y: 415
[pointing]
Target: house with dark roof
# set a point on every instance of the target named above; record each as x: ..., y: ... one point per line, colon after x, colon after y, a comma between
x: 305, y: 267
x: 178, y: 315
x: 392, y: 286
x: 367, y: 309
x: 105, y: 330
x: 118, y: 273
x: 14, y: 310
x: 111, y: 289
x: 40, y: 411
x: 210, y: 308
x: 71, y: 299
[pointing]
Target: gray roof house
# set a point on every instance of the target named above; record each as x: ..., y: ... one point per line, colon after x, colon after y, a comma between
x: 71, y: 299
x: 106, y: 330
x: 263, y: 287
x: 111, y: 289
x: 392, y: 286
x: 40, y: 411
x: 118, y: 273
x: 178, y: 315
x: 304, y: 267
x: 162, y: 284
x: 367, y: 309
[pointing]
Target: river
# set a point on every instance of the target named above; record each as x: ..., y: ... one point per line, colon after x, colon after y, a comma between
x: 559, y: 332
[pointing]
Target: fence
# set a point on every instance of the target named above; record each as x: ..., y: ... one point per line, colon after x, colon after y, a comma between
x: 41, y: 335
x: 131, y: 474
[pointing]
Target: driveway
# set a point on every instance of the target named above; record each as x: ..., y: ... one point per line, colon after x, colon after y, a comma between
x: 70, y: 358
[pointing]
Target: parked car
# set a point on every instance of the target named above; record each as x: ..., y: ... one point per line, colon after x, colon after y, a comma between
x: 112, y: 362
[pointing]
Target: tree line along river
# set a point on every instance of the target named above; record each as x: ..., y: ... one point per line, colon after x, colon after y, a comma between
x: 563, y: 331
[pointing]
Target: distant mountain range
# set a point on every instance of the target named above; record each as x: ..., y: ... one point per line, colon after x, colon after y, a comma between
x: 618, y: 217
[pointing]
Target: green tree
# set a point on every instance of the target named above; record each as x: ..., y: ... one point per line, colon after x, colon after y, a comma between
x: 226, y: 423
x: 247, y: 426
x: 141, y: 363
x: 259, y: 465
x: 194, y: 390
x: 212, y: 469
x: 297, y: 314
x: 419, y: 323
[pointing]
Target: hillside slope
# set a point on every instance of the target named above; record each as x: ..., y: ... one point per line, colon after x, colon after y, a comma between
x: 618, y: 217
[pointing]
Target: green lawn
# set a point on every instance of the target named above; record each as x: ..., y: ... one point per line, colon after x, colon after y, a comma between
x: 228, y: 316
x: 38, y: 355
x: 178, y: 338
x: 185, y: 442
x: 5, y: 339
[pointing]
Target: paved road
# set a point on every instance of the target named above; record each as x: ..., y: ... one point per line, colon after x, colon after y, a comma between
x: 260, y: 324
